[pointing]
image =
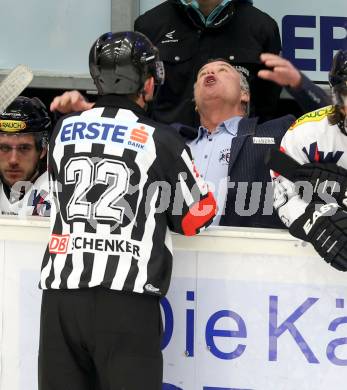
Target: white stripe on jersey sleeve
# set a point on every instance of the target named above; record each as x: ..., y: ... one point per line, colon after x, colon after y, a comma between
x: 147, y: 246
x: 188, y: 198
x: 168, y: 240
x: 199, y: 181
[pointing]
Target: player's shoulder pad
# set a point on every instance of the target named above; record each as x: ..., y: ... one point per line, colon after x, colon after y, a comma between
x: 313, y: 116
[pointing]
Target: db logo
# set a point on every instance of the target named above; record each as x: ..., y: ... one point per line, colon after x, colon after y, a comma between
x: 59, y: 243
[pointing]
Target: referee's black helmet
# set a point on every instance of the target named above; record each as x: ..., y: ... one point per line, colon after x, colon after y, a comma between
x: 120, y: 63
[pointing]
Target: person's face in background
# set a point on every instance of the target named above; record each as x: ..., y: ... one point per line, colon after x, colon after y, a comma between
x: 19, y: 157
x: 207, y: 6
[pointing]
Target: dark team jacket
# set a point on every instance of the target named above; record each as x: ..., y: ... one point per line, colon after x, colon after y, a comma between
x: 240, y: 34
x: 250, y: 201
x: 119, y: 181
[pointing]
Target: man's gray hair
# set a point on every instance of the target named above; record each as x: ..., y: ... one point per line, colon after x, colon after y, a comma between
x: 244, y: 86
x: 243, y: 82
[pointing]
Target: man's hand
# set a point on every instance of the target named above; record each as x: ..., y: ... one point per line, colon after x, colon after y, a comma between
x: 71, y: 101
x: 325, y: 227
x: 328, y: 178
x: 281, y: 72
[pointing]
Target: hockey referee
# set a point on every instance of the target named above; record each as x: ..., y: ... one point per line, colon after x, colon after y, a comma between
x: 119, y: 181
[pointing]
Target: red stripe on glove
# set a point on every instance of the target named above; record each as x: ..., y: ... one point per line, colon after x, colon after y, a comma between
x: 199, y: 214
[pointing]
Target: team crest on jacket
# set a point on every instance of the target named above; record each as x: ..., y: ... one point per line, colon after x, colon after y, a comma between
x: 224, y: 156
x: 170, y: 37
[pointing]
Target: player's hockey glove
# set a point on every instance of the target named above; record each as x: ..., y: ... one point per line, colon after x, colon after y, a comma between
x: 325, y: 227
x: 328, y: 178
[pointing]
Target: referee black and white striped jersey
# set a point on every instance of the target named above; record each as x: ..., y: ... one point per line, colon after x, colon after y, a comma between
x: 118, y: 182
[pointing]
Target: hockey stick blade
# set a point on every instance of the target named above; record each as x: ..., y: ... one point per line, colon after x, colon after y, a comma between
x: 281, y: 163
x: 13, y: 84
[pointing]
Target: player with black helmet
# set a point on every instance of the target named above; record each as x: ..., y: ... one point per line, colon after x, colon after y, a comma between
x: 119, y: 180
x: 24, y: 128
x: 316, y: 211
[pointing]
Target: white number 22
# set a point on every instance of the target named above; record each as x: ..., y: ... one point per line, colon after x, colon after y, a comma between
x: 81, y: 172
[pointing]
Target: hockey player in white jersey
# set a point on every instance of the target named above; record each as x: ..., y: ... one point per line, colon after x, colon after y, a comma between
x: 24, y: 128
x: 313, y: 202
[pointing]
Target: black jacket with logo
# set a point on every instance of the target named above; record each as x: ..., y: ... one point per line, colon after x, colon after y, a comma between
x: 240, y: 33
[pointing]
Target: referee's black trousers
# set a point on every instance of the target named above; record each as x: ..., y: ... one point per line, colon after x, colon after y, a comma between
x: 99, y: 339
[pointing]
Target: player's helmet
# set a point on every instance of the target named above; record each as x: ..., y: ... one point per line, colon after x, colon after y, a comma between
x: 338, y: 77
x: 120, y: 63
x: 24, y: 116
